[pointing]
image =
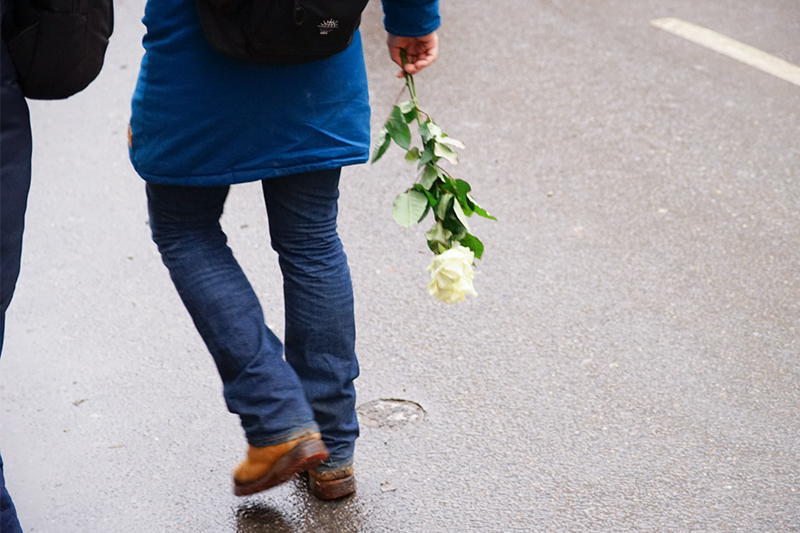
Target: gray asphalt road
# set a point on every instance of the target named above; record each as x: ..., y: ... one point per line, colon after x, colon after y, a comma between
x: 631, y: 363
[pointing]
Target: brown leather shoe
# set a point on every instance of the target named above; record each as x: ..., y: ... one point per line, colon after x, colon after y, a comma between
x: 332, y: 485
x: 270, y: 466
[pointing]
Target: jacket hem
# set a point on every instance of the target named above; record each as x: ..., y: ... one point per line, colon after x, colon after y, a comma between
x: 244, y: 176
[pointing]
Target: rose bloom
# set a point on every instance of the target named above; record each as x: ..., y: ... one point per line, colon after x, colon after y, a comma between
x: 451, y: 275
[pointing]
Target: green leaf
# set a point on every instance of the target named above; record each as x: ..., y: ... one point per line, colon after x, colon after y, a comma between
x: 478, y: 209
x: 462, y: 193
x: 425, y: 213
x: 425, y: 132
x: 443, y: 205
x: 438, y: 234
x: 444, y: 151
x: 446, y: 212
x: 381, y: 145
x: 409, y: 111
x: 427, y: 154
x: 462, y: 217
x: 481, y: 212
x: 455, y: 143
x: 463, y: 188
x: 434, y: 130
x: 449, y: 185
x: 409, y: 207
x: 406, y: 107
x: 473, y: 243
x: 432, y: 201
x: 429, y: 176
x: 453, y: 224
x: 398, y: 129
x: 412, y: 155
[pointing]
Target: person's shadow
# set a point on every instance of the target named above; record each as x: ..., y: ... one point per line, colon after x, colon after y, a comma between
x: 301, y: 513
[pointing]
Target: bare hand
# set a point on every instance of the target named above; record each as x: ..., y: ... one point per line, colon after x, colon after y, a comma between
x: 420, y: 51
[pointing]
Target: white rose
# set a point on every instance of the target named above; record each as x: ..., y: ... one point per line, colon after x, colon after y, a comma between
x: 451, y: 275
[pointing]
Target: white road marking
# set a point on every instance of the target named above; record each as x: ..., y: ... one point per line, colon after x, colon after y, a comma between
x: 732, y: 48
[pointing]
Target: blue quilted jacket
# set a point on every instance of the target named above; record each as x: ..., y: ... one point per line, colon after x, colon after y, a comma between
x: 200, y: 118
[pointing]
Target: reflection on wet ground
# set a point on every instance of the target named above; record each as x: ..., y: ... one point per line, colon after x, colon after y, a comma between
x: 261, y: 518
x: 299, y: 514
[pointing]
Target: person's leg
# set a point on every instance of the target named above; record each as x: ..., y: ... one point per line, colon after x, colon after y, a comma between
x: 258, y: 384
x: 15, y: 179
x: 8, y: 514
x: 320, y: 324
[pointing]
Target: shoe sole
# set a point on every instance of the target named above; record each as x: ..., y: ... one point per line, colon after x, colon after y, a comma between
x: 332, y: 490
x: 302, y: 457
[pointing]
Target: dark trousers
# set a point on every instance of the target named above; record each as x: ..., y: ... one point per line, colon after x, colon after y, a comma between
x: 15, y: 180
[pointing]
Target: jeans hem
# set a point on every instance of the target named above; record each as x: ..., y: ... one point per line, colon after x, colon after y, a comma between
x: 334, y: 465
x: 286, y: 437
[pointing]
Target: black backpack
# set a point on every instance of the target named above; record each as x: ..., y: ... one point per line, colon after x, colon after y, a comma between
x: 282, y: 32
x: 58, y: 46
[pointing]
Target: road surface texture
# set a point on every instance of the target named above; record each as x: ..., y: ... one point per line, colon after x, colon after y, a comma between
x: 630, y: 363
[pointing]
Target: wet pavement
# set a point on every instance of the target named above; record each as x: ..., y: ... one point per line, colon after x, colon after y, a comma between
x: 631, y: 363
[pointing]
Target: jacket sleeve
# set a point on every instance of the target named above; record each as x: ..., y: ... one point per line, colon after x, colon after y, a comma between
x: 411, y: 18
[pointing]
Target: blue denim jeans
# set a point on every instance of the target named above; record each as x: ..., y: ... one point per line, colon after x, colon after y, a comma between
x: 8, y: 514
x: 276, y: 399
x: 15, y: 180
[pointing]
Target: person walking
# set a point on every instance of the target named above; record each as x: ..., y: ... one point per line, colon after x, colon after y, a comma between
x: 202, y: 122
x: 56, y: 60
x: 15, y: 182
